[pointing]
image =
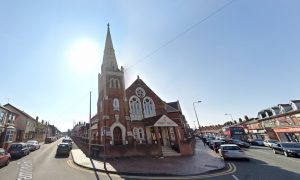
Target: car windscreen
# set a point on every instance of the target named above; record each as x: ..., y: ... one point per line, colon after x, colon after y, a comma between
x: 31, y: 142
x: 291, y: 145
x: 231, y: 148
x: 2, y: 151
x: 63, y: 146
x: 272, y: 141
x: 16, y: 146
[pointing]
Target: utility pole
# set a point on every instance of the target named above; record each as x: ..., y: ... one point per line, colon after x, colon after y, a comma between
x: 196, y: 112
x: 90, y: 131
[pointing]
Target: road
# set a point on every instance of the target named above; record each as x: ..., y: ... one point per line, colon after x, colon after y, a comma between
x: 43, y: 165
x: 264, y: 165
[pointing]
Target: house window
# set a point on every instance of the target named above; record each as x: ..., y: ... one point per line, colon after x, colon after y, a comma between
x: 9, y: 135
x: 138, y: 133
x: 149, y: 107
x: 135, y: 133
x: 116, y: 104
x: 135, y: 108
x: 1, y: 117
x: 141, y: 133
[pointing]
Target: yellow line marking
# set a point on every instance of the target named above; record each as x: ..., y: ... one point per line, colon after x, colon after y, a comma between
x: 231, y: 169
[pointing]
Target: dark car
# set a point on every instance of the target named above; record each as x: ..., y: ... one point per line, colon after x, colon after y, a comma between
x: 4, y: 157
x: 215, y: 145
x: 239, y: 143
x: 69, y: 141
x: 208, y: 139
x: 257, y: 142
x: 63, y: 149
x: 18, y: 149
x: 287, y: 149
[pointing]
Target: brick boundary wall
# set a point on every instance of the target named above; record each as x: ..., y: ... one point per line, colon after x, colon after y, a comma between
x: 127, y: 150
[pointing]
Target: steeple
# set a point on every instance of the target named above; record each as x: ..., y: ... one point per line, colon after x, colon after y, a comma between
x: 109, y: 57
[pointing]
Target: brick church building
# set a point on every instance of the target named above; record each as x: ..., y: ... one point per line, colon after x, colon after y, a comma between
x: 136, y: 121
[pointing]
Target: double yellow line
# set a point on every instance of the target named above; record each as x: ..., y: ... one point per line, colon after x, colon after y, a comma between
x: 231, y: 169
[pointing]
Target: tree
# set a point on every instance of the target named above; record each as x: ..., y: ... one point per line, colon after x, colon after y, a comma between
x: 240, y: 120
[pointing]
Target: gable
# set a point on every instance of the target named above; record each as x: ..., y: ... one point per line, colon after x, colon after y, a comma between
x: 138, y: 83
x: 165, y: 121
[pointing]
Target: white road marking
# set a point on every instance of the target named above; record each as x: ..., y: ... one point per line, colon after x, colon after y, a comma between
x: 235, y: 177
x: 25, y: 171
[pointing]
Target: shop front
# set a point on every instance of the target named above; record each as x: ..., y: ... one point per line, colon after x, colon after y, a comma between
x: 288, y: 134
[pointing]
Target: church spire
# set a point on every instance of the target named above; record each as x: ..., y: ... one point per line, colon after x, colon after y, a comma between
x: 109, y: 57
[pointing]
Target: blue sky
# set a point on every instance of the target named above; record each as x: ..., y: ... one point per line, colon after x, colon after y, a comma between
x: 240, y: 60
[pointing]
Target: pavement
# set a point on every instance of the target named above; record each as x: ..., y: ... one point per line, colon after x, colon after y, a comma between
x: 203, y: 161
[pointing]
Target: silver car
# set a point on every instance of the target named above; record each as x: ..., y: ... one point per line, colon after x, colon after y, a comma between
x: 232, y: 151
x: 33, y: 145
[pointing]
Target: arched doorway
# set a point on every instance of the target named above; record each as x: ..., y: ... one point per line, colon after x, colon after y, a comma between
x: 117, y: 136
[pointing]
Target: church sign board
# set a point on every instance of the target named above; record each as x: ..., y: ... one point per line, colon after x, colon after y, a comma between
x: 165, y: 121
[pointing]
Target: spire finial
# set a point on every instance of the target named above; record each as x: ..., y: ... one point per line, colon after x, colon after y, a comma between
x: 108, y: 25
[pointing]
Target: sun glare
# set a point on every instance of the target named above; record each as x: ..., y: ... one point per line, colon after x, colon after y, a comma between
x: 84, y: 55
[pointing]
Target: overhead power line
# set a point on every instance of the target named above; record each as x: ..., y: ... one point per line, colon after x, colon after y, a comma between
x: 182, y: 33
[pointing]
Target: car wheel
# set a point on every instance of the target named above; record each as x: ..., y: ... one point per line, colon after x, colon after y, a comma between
x: 286, y: 154
x: 7, y: 162
x: 274, y: 151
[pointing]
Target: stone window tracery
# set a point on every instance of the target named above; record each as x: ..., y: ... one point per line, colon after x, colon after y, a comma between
x: 135, y: 108
x: 140, y: 92
x: 149, y: 107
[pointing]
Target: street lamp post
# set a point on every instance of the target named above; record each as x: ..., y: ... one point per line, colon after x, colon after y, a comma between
x: 196, y: 112
x: 226, y: 114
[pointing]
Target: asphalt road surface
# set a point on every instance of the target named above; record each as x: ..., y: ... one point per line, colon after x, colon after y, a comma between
x: 43, y: 165
x: 264, y: 165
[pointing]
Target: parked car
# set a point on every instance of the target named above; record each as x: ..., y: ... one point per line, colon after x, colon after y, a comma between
x: 287, y: 149
x: 232, y: 151
x: 69, y: 141
x: 18, y: 149
x: 63, y: 149
x: 215, y: 145
x: 50, y: 139
x: 208, y: 139
x: 270, y: 142
x: 239, y: 143
x: 4, y: 157
x: 34, y: 145
x: 256, y: 142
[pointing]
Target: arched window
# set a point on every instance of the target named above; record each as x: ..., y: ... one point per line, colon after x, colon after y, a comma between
x: 117, y: 83
x: 116, y: 104
x: 114, y: 83
x: 135, y: 108
x: 141, y: 134
x: 149, y: 107
x: 138, y: 133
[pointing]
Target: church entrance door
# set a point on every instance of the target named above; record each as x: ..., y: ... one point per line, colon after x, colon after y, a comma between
x: 117, y: 136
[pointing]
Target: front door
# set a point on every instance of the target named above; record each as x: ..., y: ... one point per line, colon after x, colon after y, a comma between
x: 117, y: 136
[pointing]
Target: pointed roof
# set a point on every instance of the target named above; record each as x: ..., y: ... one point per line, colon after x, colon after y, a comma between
x: 10, y: 107
x: 109, y: 58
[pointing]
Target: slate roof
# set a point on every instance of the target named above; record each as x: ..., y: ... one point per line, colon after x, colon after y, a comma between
x: 297, y: 103
x: 19, y: 111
